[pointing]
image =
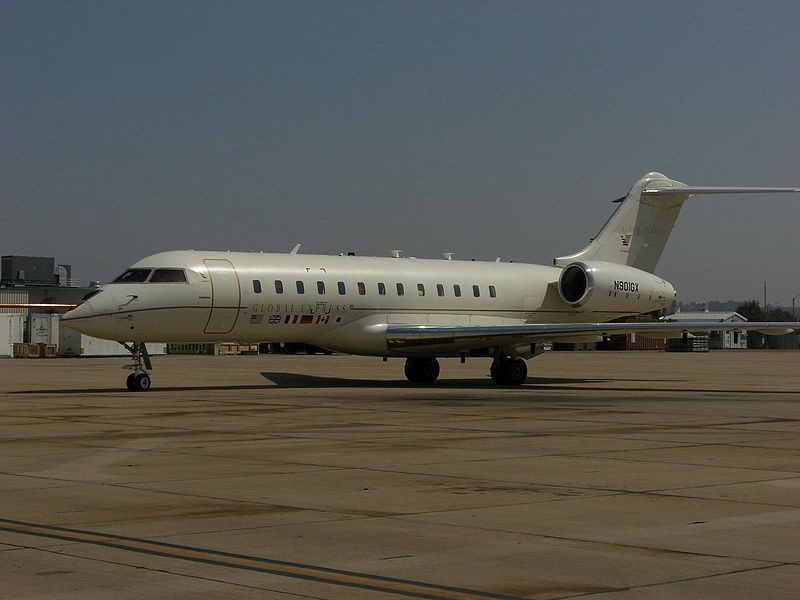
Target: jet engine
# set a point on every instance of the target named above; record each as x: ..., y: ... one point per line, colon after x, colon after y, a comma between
x: 603, y: 286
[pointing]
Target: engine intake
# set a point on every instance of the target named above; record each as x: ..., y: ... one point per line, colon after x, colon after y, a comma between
x: 603, y: 286
x: 575, y: 284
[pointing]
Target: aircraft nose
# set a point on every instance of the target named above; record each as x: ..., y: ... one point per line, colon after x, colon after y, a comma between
x: 81, y: 311
x: 94, y: 304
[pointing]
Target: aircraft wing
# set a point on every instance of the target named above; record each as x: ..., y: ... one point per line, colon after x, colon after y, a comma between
x: 482, y: 336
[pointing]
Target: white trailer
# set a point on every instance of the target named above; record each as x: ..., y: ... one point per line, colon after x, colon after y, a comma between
x: 43, y: 328
x: 12, y: 330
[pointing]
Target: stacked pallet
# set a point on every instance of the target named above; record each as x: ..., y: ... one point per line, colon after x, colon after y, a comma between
x: 34, y: 350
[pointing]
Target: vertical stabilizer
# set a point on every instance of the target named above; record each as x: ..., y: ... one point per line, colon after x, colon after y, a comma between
x: 637, y: 232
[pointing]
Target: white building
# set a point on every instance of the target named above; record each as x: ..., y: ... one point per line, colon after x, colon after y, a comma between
x: 717, y: 339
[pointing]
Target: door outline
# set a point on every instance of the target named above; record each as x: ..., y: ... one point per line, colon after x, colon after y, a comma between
x: 222, y: 308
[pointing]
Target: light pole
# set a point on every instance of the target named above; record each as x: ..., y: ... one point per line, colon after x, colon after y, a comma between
x: 793, y: 299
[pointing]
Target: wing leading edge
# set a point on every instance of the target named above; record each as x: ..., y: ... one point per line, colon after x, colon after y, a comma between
x: 405, y: 336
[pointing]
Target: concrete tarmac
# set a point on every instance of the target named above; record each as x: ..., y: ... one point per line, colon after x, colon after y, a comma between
x: 608, y: 475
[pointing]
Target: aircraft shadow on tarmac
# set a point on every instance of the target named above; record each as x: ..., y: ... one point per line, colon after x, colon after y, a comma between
x: 299, y: 380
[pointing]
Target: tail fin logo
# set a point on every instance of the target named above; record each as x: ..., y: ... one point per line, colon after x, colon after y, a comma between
x: 626, y: 242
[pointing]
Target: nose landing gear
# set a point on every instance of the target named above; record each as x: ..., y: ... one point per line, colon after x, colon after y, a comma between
x: 139, y: 380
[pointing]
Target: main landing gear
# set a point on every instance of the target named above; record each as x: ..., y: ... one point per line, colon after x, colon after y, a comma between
x: 508, y: 371
x: 504, y: 370
x: 422, y: 370
x: 139, y: 380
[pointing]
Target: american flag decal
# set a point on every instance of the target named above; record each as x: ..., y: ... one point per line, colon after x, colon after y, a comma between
x: 626, y: 240
x: 256, y: 319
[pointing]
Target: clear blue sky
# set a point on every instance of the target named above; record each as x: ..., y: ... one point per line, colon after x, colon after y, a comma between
x: 483, y: 128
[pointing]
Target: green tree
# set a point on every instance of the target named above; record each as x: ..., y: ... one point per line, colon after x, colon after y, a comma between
x: 751, y: 310
x: 778, y: 314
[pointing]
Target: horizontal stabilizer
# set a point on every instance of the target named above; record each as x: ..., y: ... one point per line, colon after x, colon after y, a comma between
x: 718, y: 190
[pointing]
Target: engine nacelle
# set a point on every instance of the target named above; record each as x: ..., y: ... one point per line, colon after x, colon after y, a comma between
x: 603, y: 286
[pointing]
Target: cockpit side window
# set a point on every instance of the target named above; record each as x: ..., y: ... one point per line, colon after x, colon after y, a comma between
x: 168, y: 276
x: 133, y: 276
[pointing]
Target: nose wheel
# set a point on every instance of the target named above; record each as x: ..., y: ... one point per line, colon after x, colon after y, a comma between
x: 139, y: 380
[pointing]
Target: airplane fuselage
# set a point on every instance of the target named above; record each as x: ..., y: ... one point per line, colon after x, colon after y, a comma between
x: 343, y: 303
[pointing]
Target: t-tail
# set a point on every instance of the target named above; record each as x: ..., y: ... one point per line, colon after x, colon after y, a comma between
x: 637, y: 232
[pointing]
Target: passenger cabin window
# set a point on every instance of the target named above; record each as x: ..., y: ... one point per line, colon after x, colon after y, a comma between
x: 362, y: 289
x: 133, y: 276
x: 381, y: 289
x: 301, y: 288
x: 476, y: 291
x: 492, y: 292
x: 321, y: 287
x: 256, y: 286
x: 168, y: 276
x: 400, y: 290
x: 342, y: 289
x: 457, y: 290
x: 420, y: 289
x: 439, y: 289
x: 278, y: 286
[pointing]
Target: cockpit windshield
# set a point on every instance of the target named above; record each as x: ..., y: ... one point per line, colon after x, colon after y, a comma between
x: 133, y: 276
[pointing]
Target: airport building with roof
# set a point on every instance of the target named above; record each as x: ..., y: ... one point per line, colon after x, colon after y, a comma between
x: 717, y: 340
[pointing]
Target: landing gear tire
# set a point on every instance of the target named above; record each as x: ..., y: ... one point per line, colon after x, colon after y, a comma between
x: 517, y: 372
x: 143, y: 382
x: 422, y: 370
x: 138, y: 382
x: 509, y: 371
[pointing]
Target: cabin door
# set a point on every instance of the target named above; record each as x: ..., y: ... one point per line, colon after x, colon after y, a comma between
x: 225, y: 296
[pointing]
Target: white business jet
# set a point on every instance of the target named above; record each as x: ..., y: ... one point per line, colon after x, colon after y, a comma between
x: 403, y: 307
